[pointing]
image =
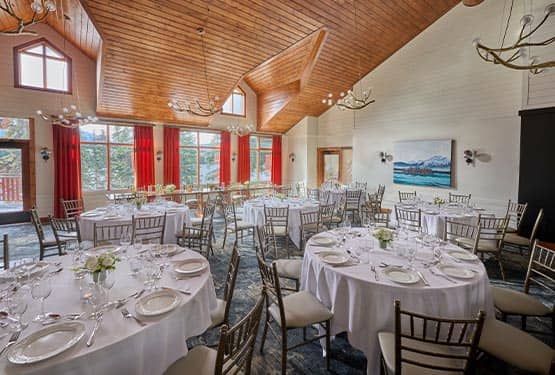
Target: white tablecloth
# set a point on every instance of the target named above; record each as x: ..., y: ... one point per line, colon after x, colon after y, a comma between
x: 176, y: 216
x: 363, y: 307
x: 121, y: 346
x: 253, y: 213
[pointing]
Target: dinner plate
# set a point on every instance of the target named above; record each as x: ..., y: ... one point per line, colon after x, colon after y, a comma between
x: 91, y: 214
x: 190, y: 267
x: 46, y: 343
x: 172, y: 249
x: 35, y: 268
x: 334, y: 258
x: 401, y: 275
x: 157, y: 303
x: 112, y: 217
x: 323, y: 241
x: 102, y: 250
x: 462, y: 255
x: 454, y: 271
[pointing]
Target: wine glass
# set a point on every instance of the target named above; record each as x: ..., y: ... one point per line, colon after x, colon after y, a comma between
x: 96, y: 299
x: 135, y: 265
x: 411, y: 254
x: 41, y: 290
x: 108, y: 283
x: 17, y: 305
x: 138, y: 245
x: 125, y: 241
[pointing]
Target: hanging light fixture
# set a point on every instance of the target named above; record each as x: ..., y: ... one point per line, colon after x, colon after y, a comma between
x: 240, y: 130
x: 518, y: 50
x: 195, y: 108
x: 351, y: 100
x: 41, y: 9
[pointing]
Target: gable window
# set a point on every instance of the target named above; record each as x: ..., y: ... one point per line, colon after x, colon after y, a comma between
x: 40, y: 65
x: 199, y: 157
x: 235, y: 104
x: 261, y: 157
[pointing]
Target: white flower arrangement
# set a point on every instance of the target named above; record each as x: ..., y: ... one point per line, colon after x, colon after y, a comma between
x: 384, y: 235
x: 170, y: 188
x: 100, y: 263
x: 438, y: 201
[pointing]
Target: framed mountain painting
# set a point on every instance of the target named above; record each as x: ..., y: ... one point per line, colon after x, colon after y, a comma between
x: 422, y: 163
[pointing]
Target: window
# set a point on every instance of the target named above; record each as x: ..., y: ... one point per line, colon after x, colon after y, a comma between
x: 235, y: 104
x: 14, y: 128
x: 107, y: 157
x: 199, y: 157
x: 40, y: 65
x: 261, y: 158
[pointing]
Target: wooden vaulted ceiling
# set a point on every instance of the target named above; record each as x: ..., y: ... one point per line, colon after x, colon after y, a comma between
x: 292, y: 53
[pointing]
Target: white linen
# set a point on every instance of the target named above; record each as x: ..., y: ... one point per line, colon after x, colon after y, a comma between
x: 363, y: 307
x: 176, y: 216
x: 121, y: 346
x: 253, y: 213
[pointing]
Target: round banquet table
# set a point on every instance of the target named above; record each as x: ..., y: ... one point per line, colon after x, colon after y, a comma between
x: 122, y: 346
x: 176, y: 216
x: 363, y: 306
x: 253, y: 213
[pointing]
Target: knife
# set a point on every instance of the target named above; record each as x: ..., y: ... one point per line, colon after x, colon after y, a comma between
x: 423, y: 278
x: 95, y: 328
x: 12, y: 341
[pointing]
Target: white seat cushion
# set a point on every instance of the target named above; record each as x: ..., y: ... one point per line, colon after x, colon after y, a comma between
x: 516, y: 347
x: 241, y: 225
x: 483, y: 245
x: 196, y: 221
x: 301, y: 309
x: 514, y: 238
x: 519, y: 303
x: 290, y: 268
x: 201, y: 360
x: 279, y: 231
x: 217, y: 315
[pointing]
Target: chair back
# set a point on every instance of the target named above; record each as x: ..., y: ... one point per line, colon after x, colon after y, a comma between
x: 493, y: 229
x: 277, y: 216
x: 271, y: 282
x: 65, y: 228
x: 72, y: 208
x: 5, y: 252
x: 409, y: 219
x: 230, y: 279
x: 35, y: 219
x: 110, y: 234
x: 541, y: 269
x: 515, y: 212
x: 454, y: 230
x: 459, y: 198
x: 537, y: 225
x: 208, y: 216
x: 325, y: 196
x: 310, y: 217
x: 381, y: 192
x: 236, y: 344
x: 121, y: 198
x: 313, y: 194
x: 266, y: 240
x: 326, y: 213
x: 353, y: 199
x: 460, y: 338
x: 360, y: 185
x: 406, y: 196
x: 230, y: 214
x: 340, y: 201
x: 150, y: 228
x: 372, y: 213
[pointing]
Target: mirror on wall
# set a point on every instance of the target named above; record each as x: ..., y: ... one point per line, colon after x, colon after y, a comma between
x: 335, y: 163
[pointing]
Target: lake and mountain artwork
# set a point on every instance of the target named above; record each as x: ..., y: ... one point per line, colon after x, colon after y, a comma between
x: 422, y: 163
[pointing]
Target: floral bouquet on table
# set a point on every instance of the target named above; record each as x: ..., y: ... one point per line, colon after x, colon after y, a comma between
x: 170, y: 188
x: 139, y: 202
x: 439, y: 201
x: 385, y: 236
x: 98, y: 265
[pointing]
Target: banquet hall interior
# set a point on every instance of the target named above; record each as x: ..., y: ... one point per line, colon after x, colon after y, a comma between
x: 277, y: 187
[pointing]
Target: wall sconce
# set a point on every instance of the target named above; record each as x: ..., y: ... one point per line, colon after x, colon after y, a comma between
x: 469, y: 156
x: 159, y: 155
x: 292, y: 157
x: 45, y: 153
x: 233, y: 156
x: 385, y: 157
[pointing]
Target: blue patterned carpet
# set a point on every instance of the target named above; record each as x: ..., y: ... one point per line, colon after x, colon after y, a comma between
x: 307, y: 359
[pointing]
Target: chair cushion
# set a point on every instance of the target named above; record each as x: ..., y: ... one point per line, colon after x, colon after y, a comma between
x: 516, y: 347
x: 217, y: 315
x: 280, y: 231
x: 290, y: 268
x: 511, y: 230
x: 483, y: 245
x: 514, y: 238
x: 387, y: 346
x: 241, y: 225
x: 301, y: 309
x: 312, y: 228
x: 514, y: 302
x: 196, y: 221
x: 201, y: 360
x: 336, y: 219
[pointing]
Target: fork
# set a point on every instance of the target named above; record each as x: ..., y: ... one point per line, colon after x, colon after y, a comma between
x: 127, y: 314
x: 373, y: 269
x: 95, y: 328
x: 12, y: 341
x: 436, y: 273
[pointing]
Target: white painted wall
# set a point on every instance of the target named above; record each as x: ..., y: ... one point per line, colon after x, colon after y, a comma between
x: 301, y: 140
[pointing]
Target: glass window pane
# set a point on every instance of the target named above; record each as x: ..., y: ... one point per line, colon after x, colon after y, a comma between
x: 253, y: 141
x: 121, y: 134
x: 187, y: 138
x: 265, y: 166
x: 226, y: 108
x: 93, y: 167
x: 209, y: 139
x: 188, y: 165
x: 121, y: 167
x: 93, y: 133
x: 254, y: 163
x: 238, y: 103
x: 56, y: 75
x: 265, y: 142
x: 209, y: 166
x: 14, y: 128
x: 50, y: 52
x: 36, y: 49
x: 31, y: 71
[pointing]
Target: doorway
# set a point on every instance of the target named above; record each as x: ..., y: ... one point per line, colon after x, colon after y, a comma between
x: 335, y: 163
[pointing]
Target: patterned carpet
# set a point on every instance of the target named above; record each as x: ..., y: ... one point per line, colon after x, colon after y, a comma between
x: 307, y: 359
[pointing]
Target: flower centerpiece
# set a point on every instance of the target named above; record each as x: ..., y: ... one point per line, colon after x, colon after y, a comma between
x: 98, y: 265
x: 385, y: 236
x: 170, y: 188
x: 438, y: 201
x: 139, y: 202
x: 281, y: 196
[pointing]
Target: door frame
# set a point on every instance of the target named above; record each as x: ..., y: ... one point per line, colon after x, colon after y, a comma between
x: 320, y: 161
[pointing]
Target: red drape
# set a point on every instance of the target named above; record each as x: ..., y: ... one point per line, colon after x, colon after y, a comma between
x: 67, y: 166
x: 225, y: 159
x: 276, y: 160
x: 144, y: 156
x: 171, y: 156
x: 244, y: 162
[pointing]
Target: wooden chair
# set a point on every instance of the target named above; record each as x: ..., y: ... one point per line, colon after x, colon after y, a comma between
x: 72, y: 208
x: 515, y: 212
x: 459, y: 198
x: 220, y: 315
x: 352, y: 203
x: 326, y: 211
x: 409, y: 219
x: 406, y: 196
x: 278, y: 217
x: 372, y: 213
x: 360, y: 186
x: 65, y: 229
x: 110, y: 234
x: 199, y: 237
x: 541, y: 272
x: 324, y: 196
x: 233, y: 225
x: 5, y: 252
x: 380, y: 192
x: 149, y: 228
x: 422, y: 344
x: 234, y: 353
x: 294, y: 311
x: 310, y: 224
x: 313, y: 194
x: 457, y: 232
x: 44, y: 243
x: 121, y: 198
x: 339, y: 199
x: 515, y: 239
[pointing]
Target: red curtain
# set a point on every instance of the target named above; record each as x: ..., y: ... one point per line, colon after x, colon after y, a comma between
x: 225, y: 159
x: 276, y: 160
x: 144, y: 156
x: 244, y: 167
x: 171, y: 156
x: 67, y: 166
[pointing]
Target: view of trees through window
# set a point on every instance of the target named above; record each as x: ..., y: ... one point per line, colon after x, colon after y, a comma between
x: 235, y: 104
x: 199, y: 157
x: 107, y: 157
x: 261, y: 158
x: 11, y: 167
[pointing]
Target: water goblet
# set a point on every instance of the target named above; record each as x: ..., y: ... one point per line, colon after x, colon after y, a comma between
x: 125, y: 241
x: 411, y: 254
x: 17, y: 305
x: 108, y: 283
x: 41, y: 290
x: 135, y: 265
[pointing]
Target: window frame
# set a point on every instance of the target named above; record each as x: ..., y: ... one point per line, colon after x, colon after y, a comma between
x: 108, y: 143
x: 198, y: 149
x: 258, y: 150
x: 19, y: 49
x: 230, y: 97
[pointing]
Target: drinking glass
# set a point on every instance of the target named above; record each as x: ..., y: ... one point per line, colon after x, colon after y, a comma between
x: 109, y: 282
x: 17, y: 305
x: 125, y: 241
x: 41, y: 290
x: 96, y: 299
x: 138, y: 245
x: 411, y: 254
x: 135, y: 265
x: 151, y: 270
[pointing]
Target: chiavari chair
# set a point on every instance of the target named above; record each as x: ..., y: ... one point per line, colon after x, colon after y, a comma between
x: 5, y: 252
x: 515, y: 212
x: 233, y: 225
x: 313, y: 194
x: 72, y: 208
x: 372, y: 213
x: 65, y: 229
x: 457, y: 232
x: 110, y: 234
x: 220, y: 315
x: 200, y: 236
x: 406, y: 196
x: 44, y: 243
x: 409, y: 219
x: 310, y: 224
x: 459, y: 198
x: 352, y: 203
x: 515, y: 239
x: 149, y: 228
x: 278, y: 217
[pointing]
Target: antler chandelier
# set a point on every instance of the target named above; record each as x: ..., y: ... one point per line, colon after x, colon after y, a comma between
x: 41, y: 10
x: 69, y: 118
x: 240, y: 130
x: 518, y: 49
x: 196, y: 108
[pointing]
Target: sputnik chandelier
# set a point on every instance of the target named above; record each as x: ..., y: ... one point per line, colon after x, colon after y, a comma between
x: 41, y: 9
x: 240, y: 130
x: 518, y: 50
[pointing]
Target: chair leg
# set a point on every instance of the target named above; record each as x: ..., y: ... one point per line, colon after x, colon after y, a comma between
x: 501, y: 266
x: 328, y: 345
x: 283, y: 353
x: 287, y: 244
x: 253, y: 240
x: 523, y: 322
x: 264, y: 332
x: 225, y: 237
